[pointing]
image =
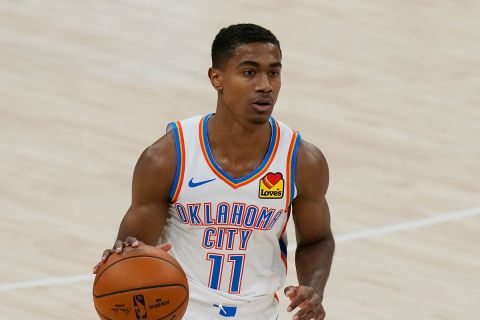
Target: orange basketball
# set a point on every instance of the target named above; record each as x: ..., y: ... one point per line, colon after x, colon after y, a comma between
x: 140, y: 284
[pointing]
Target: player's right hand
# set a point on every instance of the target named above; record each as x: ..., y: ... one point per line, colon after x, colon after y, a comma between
x: 120, y: 245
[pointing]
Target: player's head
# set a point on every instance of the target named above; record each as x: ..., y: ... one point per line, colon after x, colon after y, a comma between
x: 229, y: 38
x: 246, y: 65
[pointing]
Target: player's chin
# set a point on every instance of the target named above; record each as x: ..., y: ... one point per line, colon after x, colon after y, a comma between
x: 260, y: 116
x: 260, y: 119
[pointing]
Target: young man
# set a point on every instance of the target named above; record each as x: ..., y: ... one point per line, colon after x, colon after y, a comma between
x: 217, y: 191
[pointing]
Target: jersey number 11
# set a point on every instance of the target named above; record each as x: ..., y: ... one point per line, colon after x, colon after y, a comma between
x: 216, y: 270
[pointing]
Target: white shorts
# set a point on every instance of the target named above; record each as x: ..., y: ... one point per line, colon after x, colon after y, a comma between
x: 194, y: 312
x: 264, y: 308
x: 207, y: 304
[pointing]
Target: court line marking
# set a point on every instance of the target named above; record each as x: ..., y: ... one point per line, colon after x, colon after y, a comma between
x: 360, y: 235
x: 414, y: 224
x: 45, y: 282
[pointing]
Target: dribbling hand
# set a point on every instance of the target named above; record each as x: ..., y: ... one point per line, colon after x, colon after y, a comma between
x: 309, y: 302
x: 120, y: 245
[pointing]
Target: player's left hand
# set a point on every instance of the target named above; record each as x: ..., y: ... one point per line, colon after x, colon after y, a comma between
x: 309, y: 302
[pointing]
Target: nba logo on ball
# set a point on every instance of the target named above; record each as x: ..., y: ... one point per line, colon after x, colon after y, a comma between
x: 139, y: 306
x: 271, y: 186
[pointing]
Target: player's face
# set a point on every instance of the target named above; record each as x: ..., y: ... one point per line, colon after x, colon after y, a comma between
x: 250, y: 81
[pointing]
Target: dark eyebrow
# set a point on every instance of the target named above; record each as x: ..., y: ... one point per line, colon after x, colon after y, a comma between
x: 275, y: 64
x: 256, y: 64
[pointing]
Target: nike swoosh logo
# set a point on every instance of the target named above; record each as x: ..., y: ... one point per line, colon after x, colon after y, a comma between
x: 193, y: 184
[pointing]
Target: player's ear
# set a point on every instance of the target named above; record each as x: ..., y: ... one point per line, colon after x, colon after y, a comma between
x: 215, y: 76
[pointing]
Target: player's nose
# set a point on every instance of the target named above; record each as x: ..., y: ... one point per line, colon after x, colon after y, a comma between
x: 264, y: 83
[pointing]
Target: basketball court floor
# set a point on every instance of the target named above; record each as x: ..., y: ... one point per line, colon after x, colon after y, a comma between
x: 389, y: 90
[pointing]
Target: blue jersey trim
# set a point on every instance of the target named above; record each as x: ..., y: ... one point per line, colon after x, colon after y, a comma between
x: 283, y: 247
x: 254, y: 172
x: 294, y: 166
x: 173, y: 127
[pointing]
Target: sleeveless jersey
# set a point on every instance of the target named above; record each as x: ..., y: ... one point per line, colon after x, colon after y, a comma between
x: 229, y: 233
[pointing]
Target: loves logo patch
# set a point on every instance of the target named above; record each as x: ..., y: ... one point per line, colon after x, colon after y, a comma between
x: 271, y: 186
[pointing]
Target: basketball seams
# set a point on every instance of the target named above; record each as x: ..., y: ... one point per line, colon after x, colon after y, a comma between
x: 140, y: 256
x: 166, y: 316
x: 176, y: 285
x: 141, y: 288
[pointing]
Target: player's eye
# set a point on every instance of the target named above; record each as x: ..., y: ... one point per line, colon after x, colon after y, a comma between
x: 274, y: 73
x: 248, y: 73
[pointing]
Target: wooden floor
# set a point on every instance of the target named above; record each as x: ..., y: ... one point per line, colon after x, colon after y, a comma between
x: 390, y: 91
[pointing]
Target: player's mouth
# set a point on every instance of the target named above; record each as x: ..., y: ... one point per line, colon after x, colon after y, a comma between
x: 262, y: 104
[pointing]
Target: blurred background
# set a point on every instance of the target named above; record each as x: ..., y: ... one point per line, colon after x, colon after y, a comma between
x: 389, y: 90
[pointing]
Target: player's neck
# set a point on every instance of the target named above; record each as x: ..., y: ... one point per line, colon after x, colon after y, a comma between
x: 236, y: 140
x: 237, y: 132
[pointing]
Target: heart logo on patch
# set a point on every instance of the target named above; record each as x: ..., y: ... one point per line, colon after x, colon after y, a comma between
x: 271, y: 179
x: 271, y: 186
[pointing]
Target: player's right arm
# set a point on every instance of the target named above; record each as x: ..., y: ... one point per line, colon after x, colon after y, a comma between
x: 152, y: 180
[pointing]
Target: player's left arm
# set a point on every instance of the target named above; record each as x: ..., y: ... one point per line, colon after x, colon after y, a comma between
x: 315, y: 243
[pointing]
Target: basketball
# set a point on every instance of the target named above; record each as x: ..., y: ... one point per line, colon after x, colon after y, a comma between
x: 140, y: 283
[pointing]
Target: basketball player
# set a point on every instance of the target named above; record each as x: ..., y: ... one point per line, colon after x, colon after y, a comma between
x: 218, y: 190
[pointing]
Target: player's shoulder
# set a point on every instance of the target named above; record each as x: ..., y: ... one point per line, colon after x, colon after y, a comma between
x: 160, y: 156
x: 309, y: 155
x: 312, y: 166
x: 164, y: 149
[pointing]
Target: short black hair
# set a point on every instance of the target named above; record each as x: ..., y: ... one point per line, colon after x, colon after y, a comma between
x: 228, y: 39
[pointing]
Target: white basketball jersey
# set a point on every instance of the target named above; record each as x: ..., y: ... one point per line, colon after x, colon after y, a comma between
x: 229, y: 233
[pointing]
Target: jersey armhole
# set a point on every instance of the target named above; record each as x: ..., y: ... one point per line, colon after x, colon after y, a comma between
x: 176, y: 127
x: 291, y: 168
